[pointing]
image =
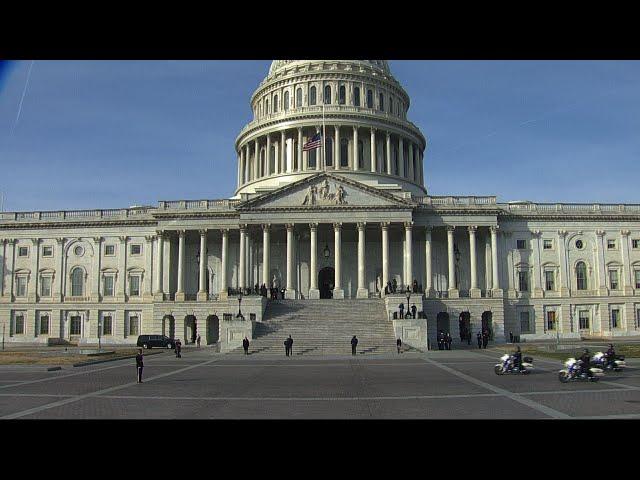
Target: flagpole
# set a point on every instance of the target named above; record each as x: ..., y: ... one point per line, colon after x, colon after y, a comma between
x: 324, y: 140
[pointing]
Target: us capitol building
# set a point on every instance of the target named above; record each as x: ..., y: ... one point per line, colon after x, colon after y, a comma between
x: 339, y: 222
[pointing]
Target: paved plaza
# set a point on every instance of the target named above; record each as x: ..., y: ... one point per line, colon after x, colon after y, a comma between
x: 208, y: 385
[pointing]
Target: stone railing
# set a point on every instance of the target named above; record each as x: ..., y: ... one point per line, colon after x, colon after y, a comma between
x: 76, y: 214
x: 456, y: 201
x: 223, y: 204
x: 569, y: 208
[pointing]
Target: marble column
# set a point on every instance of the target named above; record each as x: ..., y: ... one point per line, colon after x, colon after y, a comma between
x: 180, y: 296
x: 256, y: 161
x: 159, y: 292
x: 265, y: 255
x: 247, y: 256
x: 291, y: 289
x: 122, y: 268
x: 453, y: 290
x: 267, y: 158
x: 428, y: 286
x: 242, y: 268
x: 474, y: 291
x: 363, y: 291
x: 283, y: 152
x: 147, y: 280
x: 313, y: 256
x: 602, y: 278
x: 627, y: 282
x: 336, y: 148
x: 338, y: 292
x: 301, y: 164
x: 410, y: 173
x: 60, y: 242
x: 373, y: 151
x: 202, y: 278
x: 389, y: 170
x: 408, y: 274
x: 385, y: 254
x: 32, y: 285
x: 537, y: 291
x: 494, y: 260
x: 356, y: 167
x: 401, y: 171
x: 239, y: 168
x: 247, y: 163
x: 225, y: 253
x: 563, y: 281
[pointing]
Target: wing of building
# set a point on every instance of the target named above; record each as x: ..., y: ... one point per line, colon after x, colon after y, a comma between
x: 347, y: 219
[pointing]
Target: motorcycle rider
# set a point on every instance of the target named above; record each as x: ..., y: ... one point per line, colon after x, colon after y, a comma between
x: 517, y: 358
x: 584, y: 361
x: 610, y: 355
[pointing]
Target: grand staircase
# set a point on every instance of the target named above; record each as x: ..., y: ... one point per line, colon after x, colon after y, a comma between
x: 323, y: 327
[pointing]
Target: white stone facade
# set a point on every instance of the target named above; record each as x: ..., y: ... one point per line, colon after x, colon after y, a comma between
x: 349, y: 226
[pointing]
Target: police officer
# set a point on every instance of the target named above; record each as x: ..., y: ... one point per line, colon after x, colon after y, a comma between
x: 399, y: 345
x: 585, y: 359
x: 517, y: 358
x: 354, y: 344
x: 611, y: 355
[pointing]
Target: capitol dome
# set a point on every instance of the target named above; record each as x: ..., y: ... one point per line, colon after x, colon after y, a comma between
x: 358, y: 108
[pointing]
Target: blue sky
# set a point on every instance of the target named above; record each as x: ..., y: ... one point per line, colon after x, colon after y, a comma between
x: 109, y: 134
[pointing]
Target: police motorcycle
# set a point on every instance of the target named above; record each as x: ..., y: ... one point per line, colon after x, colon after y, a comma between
x: 507, y: 365
x: 571, y: 372
x: 601, y: 361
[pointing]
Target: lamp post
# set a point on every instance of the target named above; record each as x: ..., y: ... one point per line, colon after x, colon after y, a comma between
x: 326, y: 252
x: 408, y: 299
x: 239, y: 302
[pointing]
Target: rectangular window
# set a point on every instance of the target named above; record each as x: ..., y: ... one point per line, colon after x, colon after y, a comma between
x: 45, y: 287
x: 547, y: 244
x: 551, y: 320
x: 525, y: 327
x: 523, y: 281
x: 613, y: 279
x: 23, y: 251
x: 136, y: 249
x: 134, y: 325
x: 108, y: 286
x: 637, y: 278
x: 21, y: 286
x: 615, y: 318
x: 635, y: 243
x: 521, y: 244
x: 47, y: 251
x: 75, y: 325
x: 134, y: 286
x: 107, y: 325
x: 44, y: 325
x: 583, y: 319
x: 549, y: 280
x: 19, y: 325
x: 611, y: 244
x: 109, y: 250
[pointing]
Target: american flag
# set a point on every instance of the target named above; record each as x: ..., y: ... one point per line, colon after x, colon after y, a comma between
x: 315, y: 142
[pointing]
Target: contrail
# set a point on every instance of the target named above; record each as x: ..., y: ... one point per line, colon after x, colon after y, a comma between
x: 24, y: 92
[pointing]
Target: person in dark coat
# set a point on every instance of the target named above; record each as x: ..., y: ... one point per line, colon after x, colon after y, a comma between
x: 479, y: 339
x: 256, y: 288
x: 394, y: 286
x: 139, y: 365
x: 245, y: 345
x: 485, y: 339
x: 414, y: 311
x: 469, y: 336
x: 440, y: 340
x: 401, y: 307
x: 448, y: 340
x: 178, y: 349
x: 399, y: 345
x: 415, y: 286
x: 354, y: 344
x: 290, y: 340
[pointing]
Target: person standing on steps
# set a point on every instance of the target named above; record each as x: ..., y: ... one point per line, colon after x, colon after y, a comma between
x: 139, y: 365
x: 354, y: 344
x: 399, y: 345
x: 245, y: 345
x: 290, y: 340
x: 414, y: 311
x: 401, y: 308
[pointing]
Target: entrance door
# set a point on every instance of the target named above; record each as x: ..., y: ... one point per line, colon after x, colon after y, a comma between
x: 326, y: 278
x: 442, y: 321
x: 487, y: 324
x: 213, y: 329
x: 75, y: 327
x: 465, y: 326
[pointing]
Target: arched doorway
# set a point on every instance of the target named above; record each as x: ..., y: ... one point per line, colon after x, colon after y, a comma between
x: 442, y: 321
x: 213, y: 329
x: 169, y: 326
x: 487, y: 323
x: 190, y: 329
x: 326, y: 278
x: 465, y: 326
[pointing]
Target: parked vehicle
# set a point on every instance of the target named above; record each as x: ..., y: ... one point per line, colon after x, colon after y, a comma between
x: 158, y: 341
x: 601, y: 360
x: 572, y: 372
x: 507, y: 365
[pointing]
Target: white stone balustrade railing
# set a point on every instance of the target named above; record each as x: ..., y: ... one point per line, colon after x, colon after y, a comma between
x: 460, y: 201
x: 225, y: 204
x: 570, y: 208
x: 75, y: 214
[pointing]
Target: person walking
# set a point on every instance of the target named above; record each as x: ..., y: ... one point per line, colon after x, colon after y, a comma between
x: 440, y: 340
x: 414, y: 311
x: 479, y: 339
x: 399, y: 345
x: 401, y: 307
x: 139, y: 365
x: 178, y: 348
x: 485, y: 339
x: 198, y: 340
x: 449, y: 340
x: 245, y: 345
x: 354, y: 344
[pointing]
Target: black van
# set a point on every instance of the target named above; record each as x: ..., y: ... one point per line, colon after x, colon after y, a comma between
x: 160, y: 341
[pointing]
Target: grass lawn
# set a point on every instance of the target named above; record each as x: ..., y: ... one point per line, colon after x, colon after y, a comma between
x: 13, y: 357
x: 631, y: 350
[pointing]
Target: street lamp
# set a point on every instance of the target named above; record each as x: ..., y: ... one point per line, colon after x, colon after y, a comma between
x: 408, y: 298
x: 239, y: 302
x: 326, y: 252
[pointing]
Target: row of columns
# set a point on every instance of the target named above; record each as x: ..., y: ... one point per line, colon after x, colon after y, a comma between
x: 249, y: 166
x: 362, y: 291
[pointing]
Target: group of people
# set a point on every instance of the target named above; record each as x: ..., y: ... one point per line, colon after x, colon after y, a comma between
x: 409, y: 314
x: 483, y: 338
x: 392, y: 287
x: 444, y: 340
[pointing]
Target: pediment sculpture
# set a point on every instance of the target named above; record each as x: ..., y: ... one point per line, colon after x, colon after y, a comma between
x: 324, y: 196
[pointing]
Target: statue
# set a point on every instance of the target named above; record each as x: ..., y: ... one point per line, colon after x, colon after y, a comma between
x: 324, y: 189
x: 274, y: 282
x: 340, y: 195
x: 310, y: 197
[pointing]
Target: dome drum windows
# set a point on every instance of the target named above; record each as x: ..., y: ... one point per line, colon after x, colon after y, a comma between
x: 369, y: 99
x: 342, y: 95
x: 286, y: 101
x: 356, y: 96
x: 312, y: 96
x: 275, y: 104
x: 298, y: 98
x: 327, y: 95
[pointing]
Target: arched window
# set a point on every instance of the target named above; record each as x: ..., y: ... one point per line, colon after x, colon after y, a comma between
x: 356, y: 96
x: 327, y: 95
x: 344, y: 152
x: 342, y: 95
x: 381, y: 106
x: 266, y: 107
x: 369, y: 99
x: 581, y: 276
x: 77, y: 282
x: 286, y: 101
x: 299, y: 98
x: 275, y: 104
x: 312, y: 96
x: 390, y: 104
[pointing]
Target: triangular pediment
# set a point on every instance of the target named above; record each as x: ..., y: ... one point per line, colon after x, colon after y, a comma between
x: 325, y: 190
